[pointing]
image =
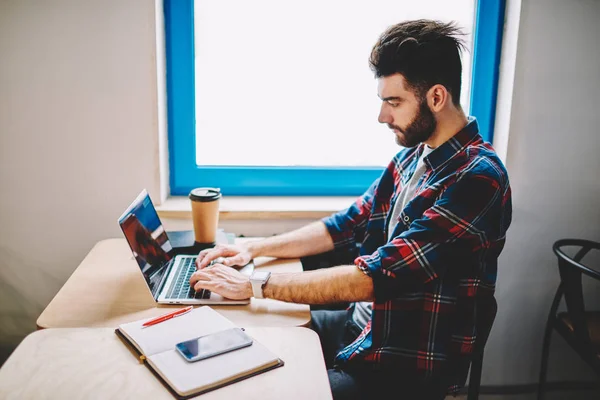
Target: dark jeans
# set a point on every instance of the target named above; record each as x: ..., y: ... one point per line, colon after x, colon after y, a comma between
x: 336, y: 330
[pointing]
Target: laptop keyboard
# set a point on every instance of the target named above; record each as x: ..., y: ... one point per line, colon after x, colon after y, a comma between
x: 180, y: 287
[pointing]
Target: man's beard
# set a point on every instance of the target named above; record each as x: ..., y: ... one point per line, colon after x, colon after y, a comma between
x: 419, y: 130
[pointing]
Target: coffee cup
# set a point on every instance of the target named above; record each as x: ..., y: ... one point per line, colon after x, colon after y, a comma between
x: 205, y: 213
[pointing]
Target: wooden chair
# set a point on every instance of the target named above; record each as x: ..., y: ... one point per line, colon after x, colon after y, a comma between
x: 578, y: 326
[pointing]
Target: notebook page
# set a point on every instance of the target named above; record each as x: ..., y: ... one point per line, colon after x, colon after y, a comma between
x: 165, y: 335
x: 190, y: 377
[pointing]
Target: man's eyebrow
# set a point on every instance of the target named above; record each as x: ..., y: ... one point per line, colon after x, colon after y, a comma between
x: 391, y: 98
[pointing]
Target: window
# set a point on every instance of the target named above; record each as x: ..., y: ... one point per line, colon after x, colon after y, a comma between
x: 259, y: 97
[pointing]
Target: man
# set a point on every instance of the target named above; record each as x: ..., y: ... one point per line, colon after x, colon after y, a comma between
x: 430, y: 231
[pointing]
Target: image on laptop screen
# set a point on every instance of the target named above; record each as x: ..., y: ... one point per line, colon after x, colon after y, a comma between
x: 147, y: 238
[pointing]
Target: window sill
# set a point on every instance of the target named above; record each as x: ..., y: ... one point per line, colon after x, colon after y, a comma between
x: 259, y: 207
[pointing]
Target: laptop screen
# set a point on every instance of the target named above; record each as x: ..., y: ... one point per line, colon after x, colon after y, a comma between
x: 147, y: 239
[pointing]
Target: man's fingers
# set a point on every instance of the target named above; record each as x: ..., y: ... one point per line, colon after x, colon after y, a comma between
x: 199, y: 260
x: 203, y: 285
x: 218, y: 255
x: 198, y: 276
x: 203, y: 279
x: 228, y: 261
x: 203, y: 253
x: 214, y: 254
x: 235, y: 260
x: 201, y: 256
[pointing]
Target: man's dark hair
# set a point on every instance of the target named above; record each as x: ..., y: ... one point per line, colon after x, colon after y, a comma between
x: 425, y: 52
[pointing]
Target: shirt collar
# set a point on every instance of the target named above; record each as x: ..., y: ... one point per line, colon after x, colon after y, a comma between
x: 453, y: 146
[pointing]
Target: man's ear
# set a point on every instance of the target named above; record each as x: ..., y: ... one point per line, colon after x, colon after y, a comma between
x: 438, y: 97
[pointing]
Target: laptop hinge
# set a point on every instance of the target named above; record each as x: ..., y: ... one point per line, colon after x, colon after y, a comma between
x: 163, y: 279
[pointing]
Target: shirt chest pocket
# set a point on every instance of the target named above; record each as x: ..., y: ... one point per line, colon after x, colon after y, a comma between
x: 415, y: 209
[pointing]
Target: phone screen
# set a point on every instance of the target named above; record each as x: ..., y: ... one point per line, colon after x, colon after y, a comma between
x: 213, y: 344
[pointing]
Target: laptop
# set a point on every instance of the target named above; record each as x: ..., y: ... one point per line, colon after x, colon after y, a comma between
x: 166, y: 274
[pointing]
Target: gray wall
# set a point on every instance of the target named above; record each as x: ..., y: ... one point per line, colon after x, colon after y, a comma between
x: 78, y: 138
x: 554, y: 169
x: 79, y: 94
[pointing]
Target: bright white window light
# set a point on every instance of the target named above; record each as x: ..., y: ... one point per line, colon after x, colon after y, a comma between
x: 282, y: 83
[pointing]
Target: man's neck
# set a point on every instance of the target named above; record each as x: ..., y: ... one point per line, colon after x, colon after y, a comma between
x: 448, y: 125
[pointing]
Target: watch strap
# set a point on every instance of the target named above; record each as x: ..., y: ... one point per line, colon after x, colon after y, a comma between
x: 258, y: 285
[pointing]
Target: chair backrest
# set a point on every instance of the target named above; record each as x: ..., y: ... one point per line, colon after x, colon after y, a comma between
x: 487, y: 308
x: 571, y: 271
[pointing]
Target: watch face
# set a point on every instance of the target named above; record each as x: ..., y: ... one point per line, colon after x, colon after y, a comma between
x: 260, y: 275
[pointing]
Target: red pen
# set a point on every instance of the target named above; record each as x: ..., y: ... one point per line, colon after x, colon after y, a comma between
x: 168, y: 316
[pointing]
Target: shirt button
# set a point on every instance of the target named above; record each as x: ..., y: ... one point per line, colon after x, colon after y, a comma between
x: 406, y: 218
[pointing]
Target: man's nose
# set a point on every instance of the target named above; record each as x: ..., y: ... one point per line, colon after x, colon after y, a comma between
x: 384, y: 116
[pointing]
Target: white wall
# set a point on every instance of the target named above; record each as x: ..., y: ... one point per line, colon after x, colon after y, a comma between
x: 79, y: 95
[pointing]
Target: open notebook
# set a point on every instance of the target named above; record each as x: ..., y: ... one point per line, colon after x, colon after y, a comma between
x: 155, y: 345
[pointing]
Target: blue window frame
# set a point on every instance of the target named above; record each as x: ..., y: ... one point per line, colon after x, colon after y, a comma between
x: 185, y: 174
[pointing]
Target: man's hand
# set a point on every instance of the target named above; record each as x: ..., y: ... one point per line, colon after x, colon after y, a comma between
x: 220, y: 279
x: 231, y: 255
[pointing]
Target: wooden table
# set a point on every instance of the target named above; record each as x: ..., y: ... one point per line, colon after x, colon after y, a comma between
x: 77, y: 363
x: 107, y: 289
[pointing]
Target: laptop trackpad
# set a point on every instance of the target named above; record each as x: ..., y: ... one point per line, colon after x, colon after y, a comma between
x: 247, y: 269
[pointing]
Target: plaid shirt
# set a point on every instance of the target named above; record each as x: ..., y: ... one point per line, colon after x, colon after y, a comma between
x: 443, y: 255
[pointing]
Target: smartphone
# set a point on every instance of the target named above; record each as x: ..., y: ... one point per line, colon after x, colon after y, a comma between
x: 213, y: 344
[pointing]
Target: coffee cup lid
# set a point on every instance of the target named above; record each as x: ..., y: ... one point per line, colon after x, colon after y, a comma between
x: 205, y: 194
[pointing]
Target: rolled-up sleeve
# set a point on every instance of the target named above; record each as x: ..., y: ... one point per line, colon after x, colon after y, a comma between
x: 462, y: 220
x: 347, y: 227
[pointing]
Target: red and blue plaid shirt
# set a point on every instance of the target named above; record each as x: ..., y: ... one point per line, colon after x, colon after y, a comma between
x: 441, y: 256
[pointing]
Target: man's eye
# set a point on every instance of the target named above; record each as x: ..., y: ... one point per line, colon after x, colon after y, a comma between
x: 393, y: 104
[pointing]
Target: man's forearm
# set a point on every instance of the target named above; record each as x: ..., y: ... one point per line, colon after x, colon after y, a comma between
x: 332, y: 285
x: 308, y: 240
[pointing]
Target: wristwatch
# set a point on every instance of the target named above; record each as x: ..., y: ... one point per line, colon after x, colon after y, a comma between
x: 258, y: 280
